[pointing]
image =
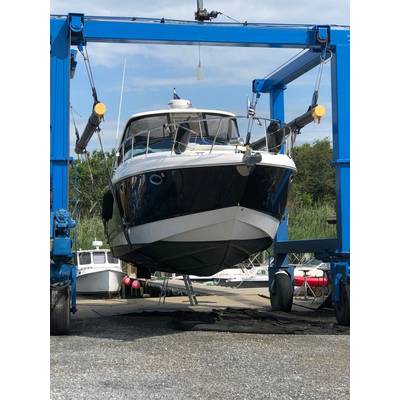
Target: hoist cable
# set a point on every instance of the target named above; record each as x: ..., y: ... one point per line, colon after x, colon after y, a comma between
x: 89, y: 72
x: 232, y: 19
x: 323, y: 61
x: 90, y: 170
x: 91, y: 179
x: 285, y: 63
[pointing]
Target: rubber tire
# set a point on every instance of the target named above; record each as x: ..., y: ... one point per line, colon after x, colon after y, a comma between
x: 342, y: 308
x: 282, y: 293
x: 60, y: 314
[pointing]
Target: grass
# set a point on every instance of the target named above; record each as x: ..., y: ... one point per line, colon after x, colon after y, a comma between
x: 310, y: 222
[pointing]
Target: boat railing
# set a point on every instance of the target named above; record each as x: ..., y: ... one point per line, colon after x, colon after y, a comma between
x: 273, y: 142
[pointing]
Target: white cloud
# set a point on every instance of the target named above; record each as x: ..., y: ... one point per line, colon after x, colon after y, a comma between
x: 284, y: 11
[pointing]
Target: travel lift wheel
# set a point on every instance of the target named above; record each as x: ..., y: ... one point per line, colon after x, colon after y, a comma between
x: 60, y: 315
x: 342, y: 306
x: 281, y: 292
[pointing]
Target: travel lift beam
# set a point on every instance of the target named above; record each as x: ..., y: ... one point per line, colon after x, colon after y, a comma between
x: 78, y: 30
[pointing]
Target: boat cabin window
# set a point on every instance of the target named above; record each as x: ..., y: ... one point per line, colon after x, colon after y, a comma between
x: 205, y: 128
x: 99, y: 257
x: 159, y: 132
x: 84, y: 258
x: 111, y: 259
x: 224, y: 129
x: 128, y: 149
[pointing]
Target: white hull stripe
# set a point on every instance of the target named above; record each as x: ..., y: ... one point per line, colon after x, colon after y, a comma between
x: 231, y: 223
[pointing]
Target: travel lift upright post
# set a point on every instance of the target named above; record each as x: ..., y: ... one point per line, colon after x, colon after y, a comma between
x: 78, y: 30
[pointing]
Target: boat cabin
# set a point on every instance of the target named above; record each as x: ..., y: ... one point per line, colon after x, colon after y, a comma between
x: 174, y: 128
x: 98, y: 258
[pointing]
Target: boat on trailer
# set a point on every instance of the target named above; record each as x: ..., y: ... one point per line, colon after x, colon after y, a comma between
x: 188, y: 197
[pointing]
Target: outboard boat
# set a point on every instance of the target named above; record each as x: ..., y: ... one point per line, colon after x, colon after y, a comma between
x: 188, y: 196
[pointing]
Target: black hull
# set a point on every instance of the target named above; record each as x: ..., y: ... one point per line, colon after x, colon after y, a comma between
x: 192, y: 258
x: 166, y: 194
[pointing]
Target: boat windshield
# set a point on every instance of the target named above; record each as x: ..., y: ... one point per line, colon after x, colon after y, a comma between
x: 155, y: 133
x: 84, y: 258
x: 111, y: 259
x: 99, y: 257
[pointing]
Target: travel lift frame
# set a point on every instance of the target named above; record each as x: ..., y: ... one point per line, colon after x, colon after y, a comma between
x: 78, y: 29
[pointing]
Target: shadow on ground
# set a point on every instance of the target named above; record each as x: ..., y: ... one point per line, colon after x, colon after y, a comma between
x: 136, y: 325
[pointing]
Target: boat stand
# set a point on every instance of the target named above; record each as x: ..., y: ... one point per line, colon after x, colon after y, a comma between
x: 190, y: 291
x: 164, y: 289
x: 306, y: 286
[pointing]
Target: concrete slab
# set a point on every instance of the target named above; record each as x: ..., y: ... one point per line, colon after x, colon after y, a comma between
x: 137, y: 349
x: 211, y: 297
x: 138, y: 357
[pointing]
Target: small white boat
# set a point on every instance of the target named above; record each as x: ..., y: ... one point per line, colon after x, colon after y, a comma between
x: 98, y: 272
x: 256, y: 276
x: 218, y: 278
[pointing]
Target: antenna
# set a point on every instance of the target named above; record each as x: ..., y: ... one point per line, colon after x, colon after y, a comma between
x: 120, y: 101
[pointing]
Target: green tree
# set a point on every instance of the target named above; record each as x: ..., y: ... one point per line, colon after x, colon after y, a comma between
x: 314, y: 182
x: 92, y: 181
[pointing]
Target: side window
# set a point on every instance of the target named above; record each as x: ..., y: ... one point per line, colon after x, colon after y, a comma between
x: 84, y: 258
x: 111, y: 259
x: 99, y: 257
x: 128, y: 149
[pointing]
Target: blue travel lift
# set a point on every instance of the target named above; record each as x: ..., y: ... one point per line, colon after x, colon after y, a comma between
x: 68, y: 31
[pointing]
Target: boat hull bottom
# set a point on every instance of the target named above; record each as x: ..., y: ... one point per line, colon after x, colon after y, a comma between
x: 192, y: 258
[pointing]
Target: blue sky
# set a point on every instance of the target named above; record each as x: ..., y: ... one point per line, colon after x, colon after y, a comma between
x: 154, y: 70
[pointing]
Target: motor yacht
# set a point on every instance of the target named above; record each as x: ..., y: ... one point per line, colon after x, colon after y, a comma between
x: 188, y: 197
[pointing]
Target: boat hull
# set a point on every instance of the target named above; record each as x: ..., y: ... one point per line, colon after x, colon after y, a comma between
x: 197, y: 258
x: 198, y: 220
x: 105, y: 282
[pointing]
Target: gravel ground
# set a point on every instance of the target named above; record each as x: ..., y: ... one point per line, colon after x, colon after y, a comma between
x: 133, y: 357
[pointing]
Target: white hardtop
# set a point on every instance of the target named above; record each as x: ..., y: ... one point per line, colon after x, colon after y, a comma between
x: 181, y: 111
x: 92, y: 250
